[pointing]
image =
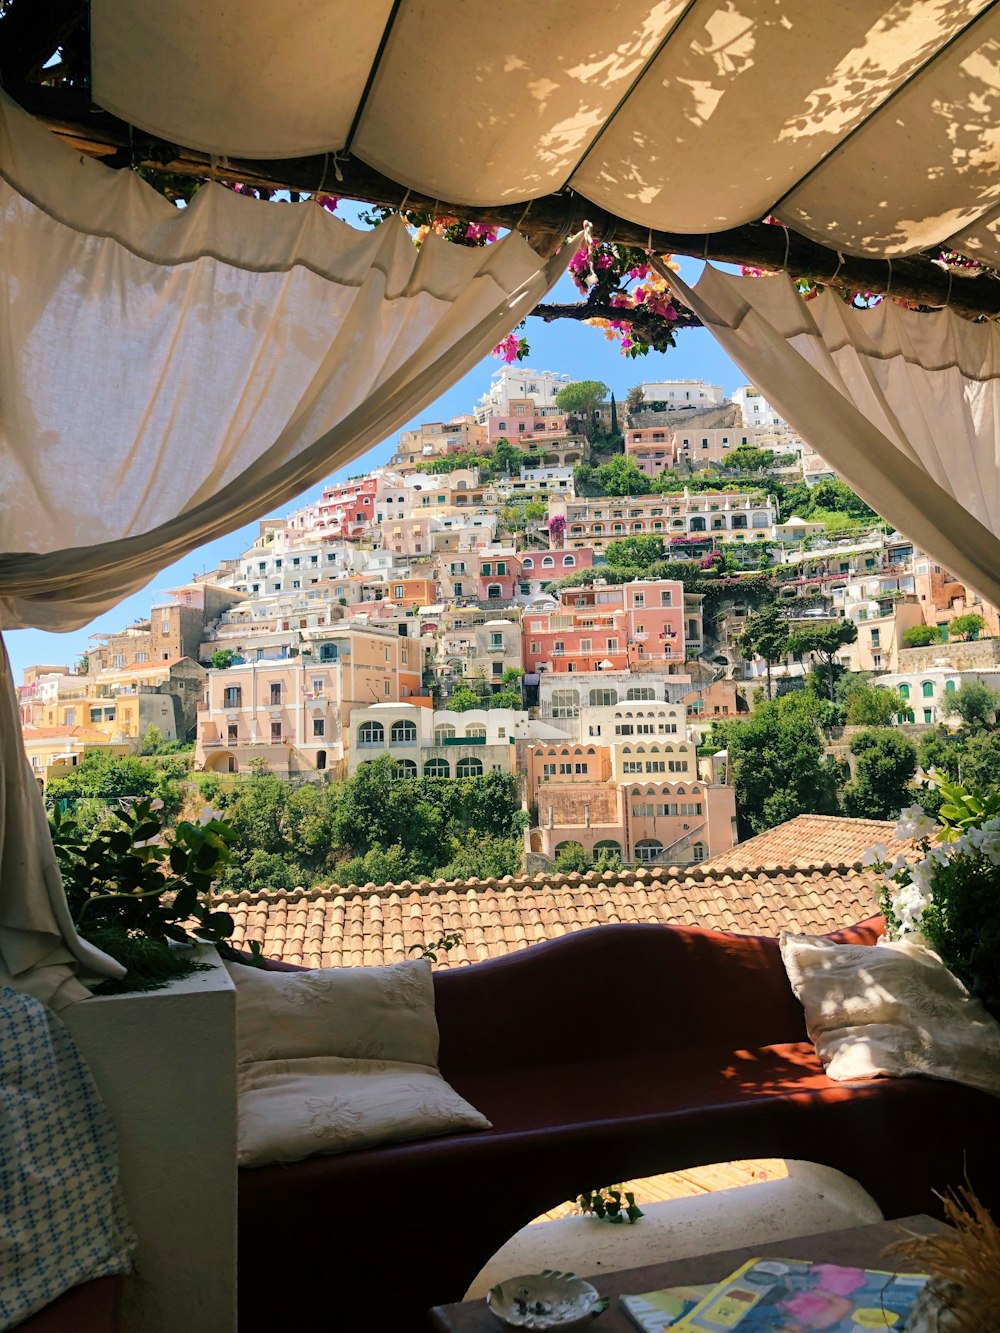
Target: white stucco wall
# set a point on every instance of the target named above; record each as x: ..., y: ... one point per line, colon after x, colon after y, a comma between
x: 165, y: 1063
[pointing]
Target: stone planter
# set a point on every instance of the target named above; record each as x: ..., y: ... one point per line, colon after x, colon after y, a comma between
x: 165, y: 1064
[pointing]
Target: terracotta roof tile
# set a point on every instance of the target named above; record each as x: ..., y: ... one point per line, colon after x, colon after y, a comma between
x: 321, y: 928
x: 810, y: 842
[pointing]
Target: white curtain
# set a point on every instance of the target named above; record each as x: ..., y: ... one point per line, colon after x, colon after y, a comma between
x: 170, y: 374
x: 906, y: 406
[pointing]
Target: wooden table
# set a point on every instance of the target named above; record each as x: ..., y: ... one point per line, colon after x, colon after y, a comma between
x: 858, y: 1246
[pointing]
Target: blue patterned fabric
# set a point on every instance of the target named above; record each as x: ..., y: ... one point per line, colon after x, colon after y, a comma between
x: 62, y: 1220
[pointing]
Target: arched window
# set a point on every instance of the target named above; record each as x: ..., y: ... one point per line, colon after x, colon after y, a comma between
x: 406, y: 768
x: 949, y: 687
x: 475, y: 731
x: 548, y: 561
x: 437, y: 768
x: 698, y: 852
x: 640, y: 692
x: 321, y: 759
x: 608, y: 845
x: 328, y: 652
x: 403, y: 733
x: 528, y: 562
x: 904, y: 690
x: 470, y: 768
x: 371, y: 733
x: 569, y: 561
x: 928, y: 689
x: 565, y: 703
x: 697, y: 525
x: 602, y: 698
x: 493, y: 591
x: 564, y: 846
x: 648, y: 849
x: 443, y: 734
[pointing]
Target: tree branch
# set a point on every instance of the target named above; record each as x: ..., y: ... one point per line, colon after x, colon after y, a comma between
x: 546, y: 221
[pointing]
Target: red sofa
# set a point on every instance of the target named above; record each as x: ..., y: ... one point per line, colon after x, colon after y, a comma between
x: 612, y: 1053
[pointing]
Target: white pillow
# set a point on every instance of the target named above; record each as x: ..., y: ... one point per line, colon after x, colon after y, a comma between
x: 891, y: 1009
x: 290, y: 1109
x: 371, y: 1013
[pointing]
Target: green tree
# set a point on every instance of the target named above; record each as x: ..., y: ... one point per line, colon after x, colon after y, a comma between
x: 484, y: 858
x: 378, y: 808
x: 152, y: 740
x: 778, y: 764
x: 975, y: 703
x: 614, y: 416
x: 969, y: 626
x: 506, y: 699
x: 536, y: 511
x: 765, y: 635
x: 867, y: 705
x: 462, y: 699
x: 635, y: 399
x: 512, y: 677
x: 920, y: 636
x: 101, y: 775
x: 979, y: 760
x: 747, y: 458
x: 886, y: 764
x: 634, y: 552
x: 581, y: 400
x: 825, y: 641
x: 222, y: 659
x: 83, y: 665
x: 572, y: 858
x: 621, y: 475
x: 836, y: 496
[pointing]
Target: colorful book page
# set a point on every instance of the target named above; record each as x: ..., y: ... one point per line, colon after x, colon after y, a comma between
x: 790, y: 1296
x: 653, y: 1311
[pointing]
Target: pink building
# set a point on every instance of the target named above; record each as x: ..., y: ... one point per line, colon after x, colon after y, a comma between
x: 632, y: 627
x: 699, y: 446
x: 652, y: 447
x: 524, y: 421
x: 346, y: 511
x: 676, y: 820
x: 499, y: 575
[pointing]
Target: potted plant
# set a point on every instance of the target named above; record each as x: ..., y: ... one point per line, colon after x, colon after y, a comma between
x: 138, y: 890
x: 951, y: 894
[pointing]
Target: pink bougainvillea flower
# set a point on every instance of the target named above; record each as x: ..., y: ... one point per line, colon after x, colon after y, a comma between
x: 328, y: 201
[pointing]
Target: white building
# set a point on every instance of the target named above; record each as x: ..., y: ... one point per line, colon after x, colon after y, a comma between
x: 927, y: 692
x: 683, y: 393
x: 518, y: 382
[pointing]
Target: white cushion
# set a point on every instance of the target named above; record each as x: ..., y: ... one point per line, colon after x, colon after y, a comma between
x: 371, y: 1013
x: 290, y: 1109
x: 891, y: 1009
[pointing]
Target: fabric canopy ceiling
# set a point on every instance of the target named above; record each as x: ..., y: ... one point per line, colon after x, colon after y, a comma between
x: 168, y: 374
x: 870, y: 127
x: 905, y: 405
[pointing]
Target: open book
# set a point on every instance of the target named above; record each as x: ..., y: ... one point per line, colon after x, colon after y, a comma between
x: 782, y: 1296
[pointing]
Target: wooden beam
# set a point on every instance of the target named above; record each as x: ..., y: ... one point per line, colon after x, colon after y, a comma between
x: 546, y: 221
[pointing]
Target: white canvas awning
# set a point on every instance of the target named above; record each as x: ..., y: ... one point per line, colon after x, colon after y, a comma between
x: 871, y: 127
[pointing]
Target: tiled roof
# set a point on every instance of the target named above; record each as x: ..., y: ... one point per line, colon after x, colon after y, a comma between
x: 811, y: 841
x: 370, y: 925
x: 66, y: 733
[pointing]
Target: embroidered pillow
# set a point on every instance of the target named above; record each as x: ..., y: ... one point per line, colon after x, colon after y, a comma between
x: 369, y: 1013
x: 290, y: 1109
x: 891, y: 1009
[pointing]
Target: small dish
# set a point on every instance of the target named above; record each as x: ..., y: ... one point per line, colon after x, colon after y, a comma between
x: 540, y: 1301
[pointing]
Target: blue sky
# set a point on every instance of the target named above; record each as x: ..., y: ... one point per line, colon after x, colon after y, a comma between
x: 563, y: 347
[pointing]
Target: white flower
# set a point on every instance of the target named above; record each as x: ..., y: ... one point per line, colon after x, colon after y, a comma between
x: 156, y: 805
x: 898, y: 866
x: 875, y: 855
x: 914, y: 823
x: 207, y: 815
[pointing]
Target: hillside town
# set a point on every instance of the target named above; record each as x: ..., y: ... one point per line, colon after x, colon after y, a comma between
x: 555, y: 587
